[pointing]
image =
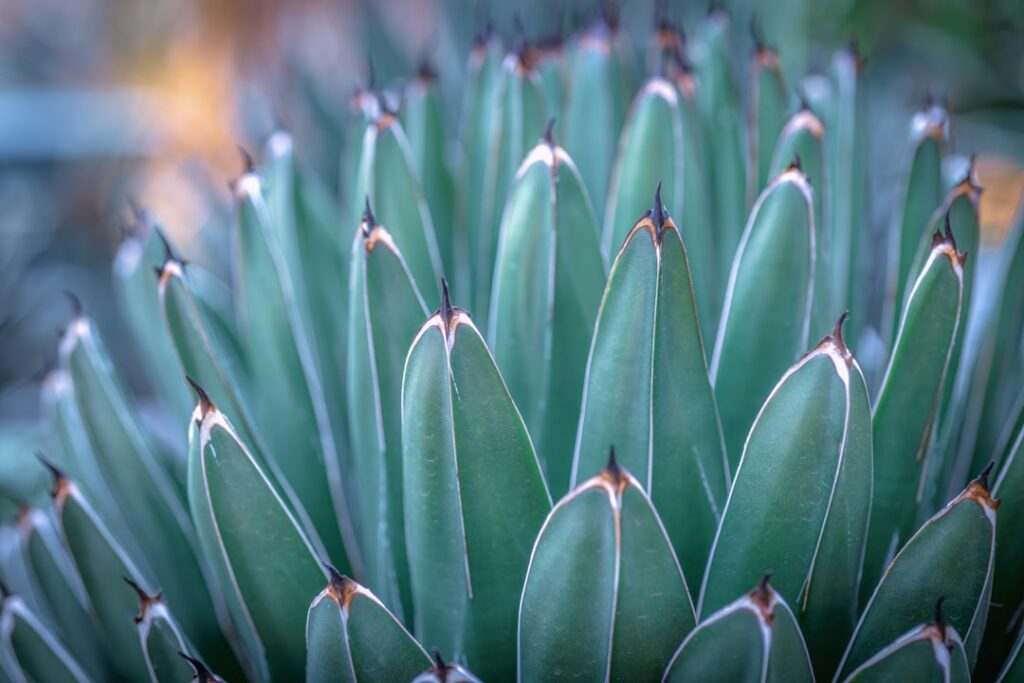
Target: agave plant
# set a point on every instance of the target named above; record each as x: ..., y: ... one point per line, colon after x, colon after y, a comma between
x: 644, y: 450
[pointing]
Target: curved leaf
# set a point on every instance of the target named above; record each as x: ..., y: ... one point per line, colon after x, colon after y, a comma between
x: 932, y: 653
x: 768, y: 105
x: 37, y: 650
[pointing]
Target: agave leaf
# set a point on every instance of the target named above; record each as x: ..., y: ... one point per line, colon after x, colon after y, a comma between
x: 478, y: 113
x: 385, y: 311
x: 647, y: 390
x: 155, y: 514
x: 950, y: 557
x: 547, y: 281
x: 931, y: 653
x: 904, y: 411
x: 921, y: 195
x: 139, y: 302
x: 604, y: 596
x: 37, y: 650
x: 162, y: 639
x: 722, y: 119
x: 517, y: 121
x: 423, y: 121
x: 441, y: 672
x: 352, y: 637
x: 770, y: 297
x: 595, y: 108
x: 362, y: 107
x: 767, y: 115
x: 61, y: 587
x: 800, y: 499
x: 474, y: 494
x: 102, y: 563
x: 284, y: 371
x: 1007, y: 589
x: 387, y: 179
x: 236, y: 509
x: 754, y: 638
x: 1013, y: 670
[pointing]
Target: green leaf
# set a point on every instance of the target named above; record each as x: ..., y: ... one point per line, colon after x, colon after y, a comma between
x: 441, y: 672
x: 286, y: 384
x: 604, y: 596
x: 351, y: 637
x: 770, y: 298
x: 517, y: 121
x: 547, y: 284
x: 385, y: 311
x: 387, y: 179
x: 37, y: 650
x: 904, y: 412
x: 931, y: 653
x: 753, y: 639
x: 1013, y: 670
x: 162, y: 639
x: 921, y: 194
x: 145, y: 496
x: 596, y: 108
x: 549, y: 61
x: 236, y: 510
x: 800, y: 499
x: 768, y: 107
x: 647, y: 391
x: 950, y: 557
x: 139, y: 301
x: 102, y: 564
x: 423, y: 121
x: 722, y: 119
x: 474, y: 495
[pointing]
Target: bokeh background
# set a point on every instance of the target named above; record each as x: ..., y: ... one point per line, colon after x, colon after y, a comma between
x: 110, y: 104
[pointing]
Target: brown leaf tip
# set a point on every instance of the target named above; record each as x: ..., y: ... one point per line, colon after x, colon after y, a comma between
x: 836, y: 338
x: 449, y: 315
x: 796, y: 164
x: 369, y: 222
x: 248, y: 165
x: 940, y: 621
x: 145, y: 599
x: 978, y: 490
x: 945, y: 241
x: 549, y: 133
x: 61, y: 484
x: 763, y: 596
x: 205, y: 404
x: 340, y: 588
x: 202, y: 674
x: 613, y: 474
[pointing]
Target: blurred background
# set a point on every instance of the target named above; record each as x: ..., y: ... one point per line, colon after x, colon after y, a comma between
x: 107, y: 105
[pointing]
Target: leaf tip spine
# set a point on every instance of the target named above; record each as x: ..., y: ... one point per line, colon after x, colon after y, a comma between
x: 763, y: 597
x: 206, y: 406
x: 202, y: 674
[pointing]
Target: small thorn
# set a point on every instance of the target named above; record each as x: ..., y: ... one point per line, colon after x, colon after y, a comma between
x: 439, y: 663
x: 949, y: 229
x: 797, y: 164
x: 336, y: 580
x: 940, y: 621
x: 982, y: 479
x: 205, y: 404
x: 612, y: 467
x: 76, y: 303
x: 5, y: 592
x: 203, y: 674
x: 143, y: 596
x: 57, y: 474
x: 658, y: 215
x: 446, y: 302
x: 169, y: 254
x: 249, y: 164
x: 765, y: 580
x: 369, y: 221
x: 159, y: 272
x: 549, y: 136
x: 425, y: 71
x: 838, y: 331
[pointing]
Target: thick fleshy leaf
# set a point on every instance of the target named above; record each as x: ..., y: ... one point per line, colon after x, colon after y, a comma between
x: 604, y: 596
x: 547, y: 284
x: 474, y: 495
x: 351, y: 637
x: 932, y: 653
x: 647, y: 391
x: 385, y: 311
x: 288, y: 396
x: 1007, y: 587
x: 387, y: 179
x: 1013, y: 670
x: 37, y: 650
x: 904, y: 411
x: 479, y: 110
x: 768, y: 105
x: 139, y: 301
x: 770, y: 298
x: 146, y: 498
x: 950, y: 557
x: 441, y: 672
x: 423, y: 120
x: 236, y: 509
x: 800, y: 500
x: 722, y: 118
x: 102, y: 565
x: 517, y: 121
x: 162, y: 640
x: 754, y: 639
x: 596, y: 108
x: 921, y: 194
x: 61, y: 587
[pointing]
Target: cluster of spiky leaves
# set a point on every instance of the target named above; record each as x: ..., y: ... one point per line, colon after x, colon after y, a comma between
x: 336, y: 427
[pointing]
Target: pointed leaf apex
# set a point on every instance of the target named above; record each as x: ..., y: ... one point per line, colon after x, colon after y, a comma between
x: 60, y: 480
x: 439, y: 664
x: 369, y: 222
x: 796, y: 163
x: 659, y: 209
x: 446, y: 302
x: 145, y: 599
x: 340, y: 588
x: 202, y: 675
x: 940, y: 621
x: 549, y: 135
x: 76, y: 304
x: 169, y: 254
x: 762, y: 596
x: 249, y: 166
x: 205, y: 404
x: 612, y: 468
x: 983, y: 477
x: 978, y: 491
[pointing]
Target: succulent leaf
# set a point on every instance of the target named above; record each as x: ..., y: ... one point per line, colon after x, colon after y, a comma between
x: 36, y: 649
x: 768, y: 105
x: 932, y: 652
